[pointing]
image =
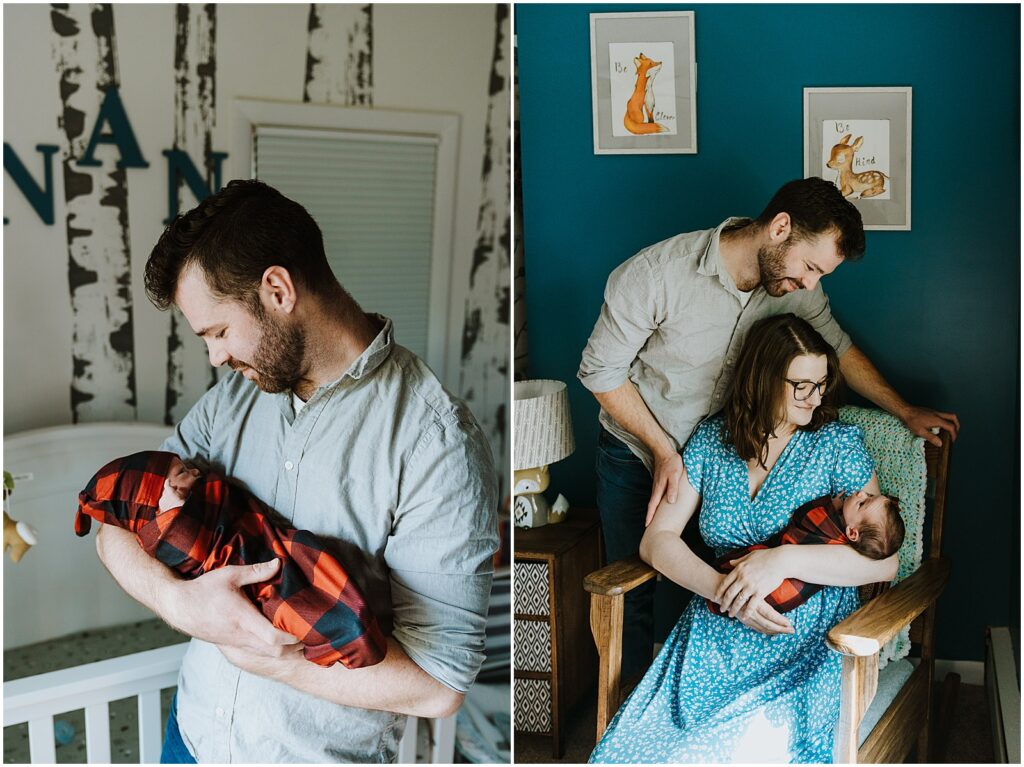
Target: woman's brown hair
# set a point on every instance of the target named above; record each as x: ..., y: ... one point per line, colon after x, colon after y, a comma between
x: 757, y: 392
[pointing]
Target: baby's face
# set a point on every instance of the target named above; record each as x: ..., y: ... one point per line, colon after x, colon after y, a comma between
x: 178, y: 485
x: 863, y: 507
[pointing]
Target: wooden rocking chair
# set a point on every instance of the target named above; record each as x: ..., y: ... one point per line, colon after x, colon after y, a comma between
x: 903, y: 717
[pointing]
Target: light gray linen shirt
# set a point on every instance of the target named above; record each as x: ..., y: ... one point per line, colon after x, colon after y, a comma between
x: 673, y: 323
x: 396, y: 475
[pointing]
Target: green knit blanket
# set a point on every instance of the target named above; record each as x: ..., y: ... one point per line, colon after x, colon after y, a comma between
x: 902, y: 472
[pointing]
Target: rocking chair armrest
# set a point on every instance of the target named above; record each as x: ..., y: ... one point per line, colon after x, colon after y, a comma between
x: 619, y: 577
x: 875, y: 623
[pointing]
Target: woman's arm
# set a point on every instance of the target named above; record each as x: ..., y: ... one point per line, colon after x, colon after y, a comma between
x: 664, y: 550
x: 754, y: 574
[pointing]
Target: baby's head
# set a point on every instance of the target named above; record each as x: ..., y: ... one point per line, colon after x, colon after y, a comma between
x: 873, y: 524
x: 178, y: 485
x: 131, y: 490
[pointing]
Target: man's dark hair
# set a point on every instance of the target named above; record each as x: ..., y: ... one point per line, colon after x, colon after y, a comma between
x: 882, y: 541
x: 233, y: 236
x: 815, y: 206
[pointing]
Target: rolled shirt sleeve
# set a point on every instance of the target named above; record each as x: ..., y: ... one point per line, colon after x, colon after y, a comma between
x: 634, y: 306
x: 440, y: 551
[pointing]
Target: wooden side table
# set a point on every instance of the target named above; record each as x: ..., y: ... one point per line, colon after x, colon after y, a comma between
x: 555, y: 658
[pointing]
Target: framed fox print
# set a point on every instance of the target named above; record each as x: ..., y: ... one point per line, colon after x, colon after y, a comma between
x: 859, y: 138
x: 643, y: 82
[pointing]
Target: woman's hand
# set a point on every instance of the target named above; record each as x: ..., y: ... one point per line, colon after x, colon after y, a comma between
x: 753, y: 577
x: 764, y: 618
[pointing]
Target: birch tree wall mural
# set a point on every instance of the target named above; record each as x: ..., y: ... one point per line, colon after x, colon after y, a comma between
x: 96, y: 193
x: 195, y: 100
x: 485, y: 363
x: 520, y: 348
x: 339, y: 59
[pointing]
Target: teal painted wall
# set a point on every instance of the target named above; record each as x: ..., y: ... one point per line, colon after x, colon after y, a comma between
x: 936, y: 308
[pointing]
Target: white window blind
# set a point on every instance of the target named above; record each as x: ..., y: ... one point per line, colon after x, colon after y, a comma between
x: 372, y: 195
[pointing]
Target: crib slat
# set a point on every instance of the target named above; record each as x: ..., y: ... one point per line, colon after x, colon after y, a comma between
x: 150, y: 728
x: 443, y: 751
x: 42, y: 748
x: 97, y: 733
x: 407, y: 745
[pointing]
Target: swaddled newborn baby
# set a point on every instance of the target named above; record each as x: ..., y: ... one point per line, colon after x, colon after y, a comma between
x: 871, y: 524
x: 195, y: 523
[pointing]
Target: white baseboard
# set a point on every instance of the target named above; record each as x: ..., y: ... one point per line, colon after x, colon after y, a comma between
x: 970, y: 671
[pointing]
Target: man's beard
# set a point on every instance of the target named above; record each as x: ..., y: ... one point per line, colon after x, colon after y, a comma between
x: 771, y: 264
x: 277, y: 361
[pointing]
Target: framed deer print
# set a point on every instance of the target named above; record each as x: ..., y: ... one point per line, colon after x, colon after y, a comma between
x: 643, y: 74
x: 859, y: 138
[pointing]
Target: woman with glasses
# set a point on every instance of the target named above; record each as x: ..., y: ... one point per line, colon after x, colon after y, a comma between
x: 752, y: 684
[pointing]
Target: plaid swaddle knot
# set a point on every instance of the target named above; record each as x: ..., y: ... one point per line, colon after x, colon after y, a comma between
x: 814, y: 522
x: 311, y: 597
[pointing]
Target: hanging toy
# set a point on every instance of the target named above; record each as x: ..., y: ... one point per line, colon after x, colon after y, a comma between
x: 18, y: 536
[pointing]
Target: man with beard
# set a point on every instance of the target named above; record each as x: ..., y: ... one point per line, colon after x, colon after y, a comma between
x: 344, y: 433
x: 662, y: 353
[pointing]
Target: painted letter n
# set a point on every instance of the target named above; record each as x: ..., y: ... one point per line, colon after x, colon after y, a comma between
x: 41, y: 200
x: 180, y: 166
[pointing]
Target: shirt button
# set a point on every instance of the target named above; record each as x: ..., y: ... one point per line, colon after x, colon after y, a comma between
x: 220, y: 711
x: 289, y: 465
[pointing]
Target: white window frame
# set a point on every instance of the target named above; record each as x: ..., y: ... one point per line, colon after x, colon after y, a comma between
x: 443, y: 128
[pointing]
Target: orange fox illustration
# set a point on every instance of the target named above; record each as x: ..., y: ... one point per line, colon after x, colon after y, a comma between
x: 642, y: 100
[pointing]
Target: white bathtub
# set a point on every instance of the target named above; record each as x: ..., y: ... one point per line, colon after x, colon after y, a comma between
x: 59, y: 587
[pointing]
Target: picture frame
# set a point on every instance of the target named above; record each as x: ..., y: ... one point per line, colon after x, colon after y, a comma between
x: 860, y: 138
x: 643, y: 71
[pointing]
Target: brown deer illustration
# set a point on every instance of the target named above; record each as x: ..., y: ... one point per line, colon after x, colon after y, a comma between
x: 868, y: 184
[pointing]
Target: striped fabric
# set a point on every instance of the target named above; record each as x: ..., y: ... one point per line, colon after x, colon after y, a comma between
x: 310, y: 597
x: 814, y: 522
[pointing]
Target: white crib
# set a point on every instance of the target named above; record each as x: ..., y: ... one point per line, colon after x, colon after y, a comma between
x: 50, y: 467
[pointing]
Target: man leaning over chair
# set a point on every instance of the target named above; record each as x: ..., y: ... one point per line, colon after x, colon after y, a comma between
x: 344, y: 433
x: 662, y: 351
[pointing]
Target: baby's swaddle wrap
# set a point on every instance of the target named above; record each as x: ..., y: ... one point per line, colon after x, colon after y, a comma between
x: 814, y: 522
x: 310, y: 597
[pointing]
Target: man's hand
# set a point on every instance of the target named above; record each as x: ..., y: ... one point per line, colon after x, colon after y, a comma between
x: 921, y: 421
x: 753, y: 577
x: 668, y: 468
x: 214, y: 608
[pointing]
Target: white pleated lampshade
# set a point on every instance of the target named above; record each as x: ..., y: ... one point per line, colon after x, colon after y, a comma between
x: 543, y: 424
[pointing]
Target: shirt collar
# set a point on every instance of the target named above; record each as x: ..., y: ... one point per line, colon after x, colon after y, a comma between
x: 710, y: 263
x: 374, y: 354
x: 367, y: 362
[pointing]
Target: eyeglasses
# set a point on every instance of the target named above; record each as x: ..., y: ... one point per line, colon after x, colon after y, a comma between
x: 802, y: 389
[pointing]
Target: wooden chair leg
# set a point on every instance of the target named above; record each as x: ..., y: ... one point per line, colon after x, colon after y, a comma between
x: 941, y: 720
x: 606, y: 626
x: 860, y: 683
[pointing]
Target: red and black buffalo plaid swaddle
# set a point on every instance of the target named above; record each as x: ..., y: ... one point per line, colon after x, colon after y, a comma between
x: 814, y: 522
x: 310, y: 597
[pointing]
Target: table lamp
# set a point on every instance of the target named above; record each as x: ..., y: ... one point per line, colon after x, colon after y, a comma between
x: 543, y: 435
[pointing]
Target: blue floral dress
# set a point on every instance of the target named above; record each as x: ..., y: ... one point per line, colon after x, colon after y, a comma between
x: 719, y: 691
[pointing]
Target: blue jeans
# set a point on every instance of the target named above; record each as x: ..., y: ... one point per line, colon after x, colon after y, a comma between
x: 174, y: 750
x: 623, y: 491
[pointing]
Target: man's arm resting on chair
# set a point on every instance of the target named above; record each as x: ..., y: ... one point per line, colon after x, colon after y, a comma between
x: 863, y: 377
